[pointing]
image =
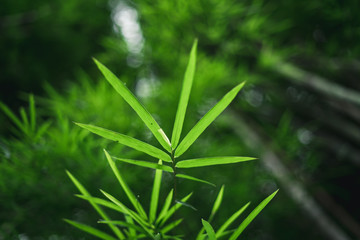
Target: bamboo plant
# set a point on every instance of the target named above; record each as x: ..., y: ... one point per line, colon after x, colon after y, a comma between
x: 135, y: 222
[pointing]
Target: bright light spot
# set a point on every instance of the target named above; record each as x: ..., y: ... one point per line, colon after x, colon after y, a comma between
x: 304, y: 136
x: 126, y: 23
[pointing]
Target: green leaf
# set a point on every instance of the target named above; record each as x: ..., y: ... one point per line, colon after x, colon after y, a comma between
x: 206, y: 120
x: 125, y: 187
x: 203, y: 162
x: 127, y: 141
x: 174, y: 208
x: 171, y: 226
x: 132, y: 231
x: 102, y: 202
x: 124, y: 224
x: 184, y: 97
x: 32, y: 112
x: 129, y: 97
x: 166, y: 206
x: 217, y: 203
x: 155, y: 194
x: 230, y: 220
x: 251, y: 216
x: 12, y: 116
x: 98, y: 209
x: 90, y: 230
x: 25, y: 120
x: 209, y: 229
x: 145, y: 164
x: 132, y: 214
x: 179, y: 175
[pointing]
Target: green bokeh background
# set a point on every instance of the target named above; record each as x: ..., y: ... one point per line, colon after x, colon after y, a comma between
x: 301, y: 101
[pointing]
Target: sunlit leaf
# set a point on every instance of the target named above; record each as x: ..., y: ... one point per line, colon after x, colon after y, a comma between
x: 155, y: 194
x: 90, y: 230
x: 145, y: 164
x: 184, y: 97
x: 127, y: 141
x: 203, y: 162
x: 179, y: 175
x: 206, y: 120
x: 251, y: 216
x: 129, y: 97
x: 102, y: 202
x: 125, y: 187
x: 209, y: 229
x: 230, y: 220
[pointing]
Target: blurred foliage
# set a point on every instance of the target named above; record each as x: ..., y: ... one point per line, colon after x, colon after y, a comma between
x: 300, y: 62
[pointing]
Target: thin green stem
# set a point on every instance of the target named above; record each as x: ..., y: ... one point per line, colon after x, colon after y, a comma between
x: 174, y: 170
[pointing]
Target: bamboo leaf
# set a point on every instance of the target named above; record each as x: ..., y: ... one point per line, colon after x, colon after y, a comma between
x: 206, y: 120
x: 166, y: 206
x: 12, y: 116
x: 217, y: 203
x: 145, y: 164
x: 129, y: 97
x: 184, y: 97
x: 90, y: 230
x: 97, y: 208
x: 125, y: 187
x: 102, y: 202
x: 174, y: 208
x: 127, y: 141
x: 251, y: 216
x: 32, y: 112
x: 179, y: 175
x: 230, y: 220
x: 132, y: 214
x: 155, y: 194
x: 209, y: 229
x: 203, y: 162
x: 171, y: 226
x: 124, y: 224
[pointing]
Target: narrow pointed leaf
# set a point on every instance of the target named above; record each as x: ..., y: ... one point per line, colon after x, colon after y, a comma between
x: 184, y: 97
x: 25, y: 119
x: 12, y: 116
x: 127, y: 141
x: 132, y: 231
x: 32, y: 112
x: 179, y: 175
x: 171, y: 226
x: 125, y: 187
x: 145, y: 164
x: 203, y: 162
x: 90, y: 230
x: 166, y: 206
x: 131, y: 213
x: 217, y: 203
x: 206, y: 120
x: 174, y: 208
x: 97, y: 208
x: 233, y: 217
x: 125, y: 224
x: 129, y: 97
x: 155, y: 194
x: 209, y: 229
x: 102, y: 202
x: 251, y: 216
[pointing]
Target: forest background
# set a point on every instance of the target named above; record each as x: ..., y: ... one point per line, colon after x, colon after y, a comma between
x: 298, y: 113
